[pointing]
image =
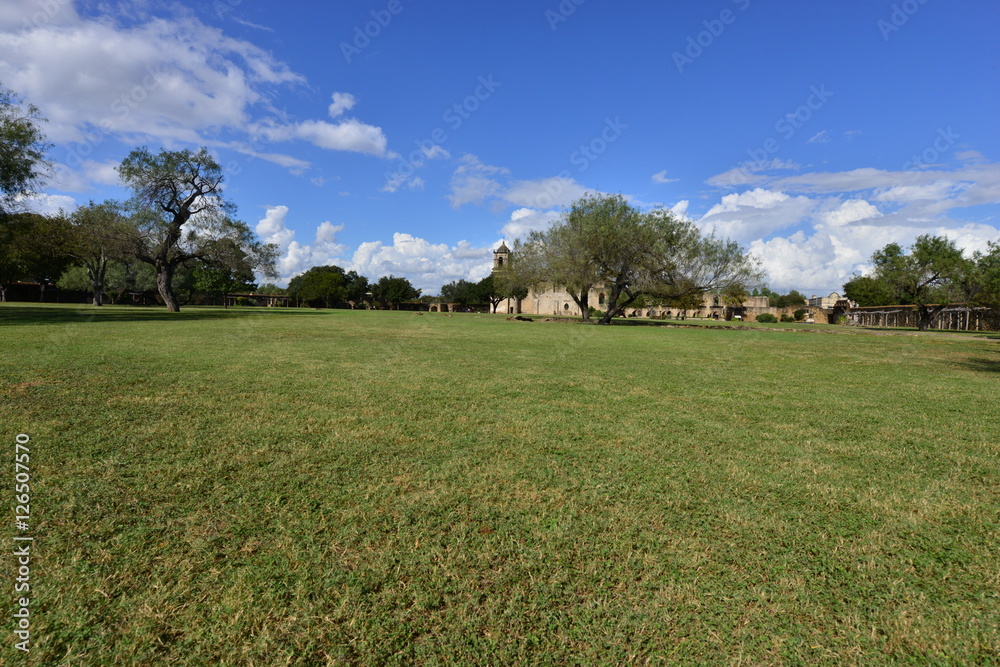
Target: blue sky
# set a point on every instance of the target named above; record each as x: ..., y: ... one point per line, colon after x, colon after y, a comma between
x: 410, y: 137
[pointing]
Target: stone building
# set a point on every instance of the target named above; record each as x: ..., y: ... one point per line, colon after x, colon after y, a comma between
x: 553, y: 300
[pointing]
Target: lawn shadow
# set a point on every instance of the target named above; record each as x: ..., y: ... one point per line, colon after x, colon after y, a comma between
x: 982, y: 364
x: 18, y: 314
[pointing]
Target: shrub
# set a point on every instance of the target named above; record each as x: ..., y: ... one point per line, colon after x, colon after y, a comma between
x: 594, y: 312
x: 800, y: 314
x: 787, y: 318
x: 767, y: 318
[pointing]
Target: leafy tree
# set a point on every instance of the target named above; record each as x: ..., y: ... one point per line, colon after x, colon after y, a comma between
x: 391, y: 291
x: 491, y: 290
x: 98, y: 231
x: 984, y: 287
x: 604, y: 240
x: 272, y: 289
x: 320, y: 283
x: 869, y: 291
x: 22, y: 149
x: 223, y: 280
x: 462, y: 292
x: 932, y: 274
x: 37, y: 248
x: 793, y: 298
x: 181, y: 216
x: 357, y: 288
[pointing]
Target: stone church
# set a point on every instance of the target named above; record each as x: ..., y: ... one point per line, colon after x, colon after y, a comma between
x: 554, y: 301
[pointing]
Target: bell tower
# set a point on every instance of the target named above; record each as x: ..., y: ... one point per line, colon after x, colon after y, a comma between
x: 501, y: 258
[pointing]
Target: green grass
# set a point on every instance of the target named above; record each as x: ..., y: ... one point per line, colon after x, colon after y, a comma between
x: 303, y: 487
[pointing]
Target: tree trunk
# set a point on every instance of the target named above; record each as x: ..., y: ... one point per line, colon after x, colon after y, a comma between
x: 99, y: 285
x: 164, y: 283
x: 926, y: 315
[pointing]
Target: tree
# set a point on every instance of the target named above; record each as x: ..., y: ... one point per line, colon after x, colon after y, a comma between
x: 391, y: 291
x: 320, y: 283
x: 37, y: 248
x: 98, y: 231
x: 793, y: 298
x: 603, y: 240
x: 462, y: 292
x: 491, y: 290
x: 22, y: 149
x: 867, y: 291
x: 984, y: 287
x: 930, y: 276
x: 180, y: 216
x: 357, y: 288
x: 269, y: 289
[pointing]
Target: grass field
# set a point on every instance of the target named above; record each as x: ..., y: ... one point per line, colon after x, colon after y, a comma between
x: 304, y: 487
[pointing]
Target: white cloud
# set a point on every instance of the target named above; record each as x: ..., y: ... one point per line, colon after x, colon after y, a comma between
x: 171, y: 79
x: 526, y: 220
x: 48, y: 204
x: 844, y: 217
x: 473, y: 182
x: 661, y: 177
x: 680, y: 209
x: 848, y: 212
x: 820, y: 138
x: 341, y: 102
x: 544, y: 193
x: 750, y: 173
x: 295, y: 257
x: 348, y: 135
x: 756, y: 213
x: 27, y: 14
x: 427, y: 265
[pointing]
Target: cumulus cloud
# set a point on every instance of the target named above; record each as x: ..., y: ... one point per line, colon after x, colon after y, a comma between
x: 138, y: 78
x: 168, y: 78
x: 341, y: 102
x: 427, y: 265
x: 523, y: 221
x: 756, y: 213
x: 295, y: 257
x: 348, y: 135
x: 48, y: 204
x: 844, y: 217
